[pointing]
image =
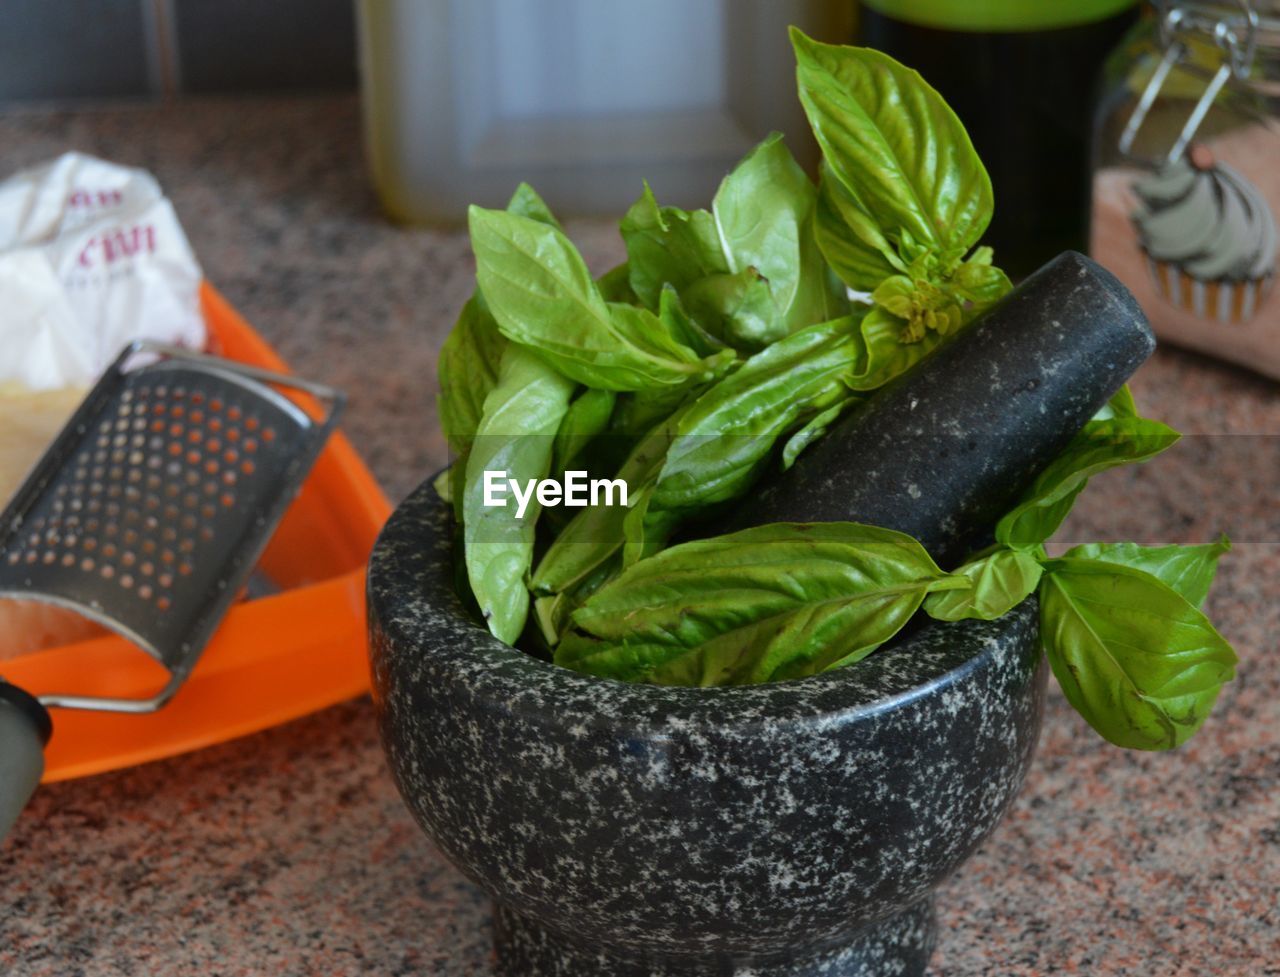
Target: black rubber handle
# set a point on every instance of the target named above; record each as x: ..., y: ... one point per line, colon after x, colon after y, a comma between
x: 25, y: 728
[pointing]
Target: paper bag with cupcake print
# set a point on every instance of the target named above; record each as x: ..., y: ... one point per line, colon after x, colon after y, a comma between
x: 1196, y: 241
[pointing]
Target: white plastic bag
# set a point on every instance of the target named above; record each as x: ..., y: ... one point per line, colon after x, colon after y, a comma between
x: 91, y: 257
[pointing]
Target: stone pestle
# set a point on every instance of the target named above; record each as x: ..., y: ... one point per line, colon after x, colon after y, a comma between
x: 946, y: 449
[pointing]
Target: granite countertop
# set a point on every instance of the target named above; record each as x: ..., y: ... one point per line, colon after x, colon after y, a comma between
x: 289, y: 852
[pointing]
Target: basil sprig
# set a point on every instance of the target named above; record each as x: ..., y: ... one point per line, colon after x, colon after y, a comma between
x: 748, y: 269
x: 729, y: 340
x: 904, y: 196
x: 777, y: 602
x: 1121, y: 623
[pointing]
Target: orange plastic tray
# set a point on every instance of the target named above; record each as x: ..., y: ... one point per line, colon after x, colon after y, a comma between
x: 273, y: 659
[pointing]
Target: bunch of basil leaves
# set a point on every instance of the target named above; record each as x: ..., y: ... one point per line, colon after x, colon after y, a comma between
x: 729, y: 340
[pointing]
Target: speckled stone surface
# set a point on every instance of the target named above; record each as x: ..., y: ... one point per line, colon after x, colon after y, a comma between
x: 945, y: 450
x: 896, y: 947
x: 677, y: 832
x: 291, y: 852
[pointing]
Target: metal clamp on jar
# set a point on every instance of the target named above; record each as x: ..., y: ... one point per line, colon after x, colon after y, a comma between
x: 1236, y: 36
x: 1185, y: 193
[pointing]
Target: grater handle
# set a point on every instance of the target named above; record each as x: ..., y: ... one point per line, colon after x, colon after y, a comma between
x: 25, y: 728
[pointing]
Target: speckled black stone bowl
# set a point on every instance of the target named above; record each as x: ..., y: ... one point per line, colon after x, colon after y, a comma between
x: 788, y: 829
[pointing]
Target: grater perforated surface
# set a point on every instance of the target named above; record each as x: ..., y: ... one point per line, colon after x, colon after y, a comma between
x: 152, y: 506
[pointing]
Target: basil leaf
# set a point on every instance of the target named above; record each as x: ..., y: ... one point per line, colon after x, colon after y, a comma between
x: 835, y: 302
x: 774, y: 602
x: 615, y: 285
x: 521, y: 416
x: 638, y: 413
x: 669, y: 246
x: 552, y: 612
x: 894, y: 143
x: 710, y: 450
x: 525, y: 202
x: 467, y: 371
x: 979, y: 283
x: 759, y: 208
x: 1099, y: 445
x: 594, y: 535
x: 650, y: 334
x: 749, y: 270
x: 542, y: 295
x: 443, y: 485
x: 468, y: 364
x: 683, y: 327
x: 591, y: 539
x: 764, y: 212
x: 721, y: 442
x: 999, y: 582
x: 737, y: 309
x: 586, y: 418
x: 1121, y: 404
x: 885, y: 356
x: 849, y: 237
x: 813, y: 430
x: 1188, y: 570
x: 1140, y: 663
x: 724, y: 442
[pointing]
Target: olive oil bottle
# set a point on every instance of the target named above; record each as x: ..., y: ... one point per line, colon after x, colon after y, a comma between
x: 1021, y: 76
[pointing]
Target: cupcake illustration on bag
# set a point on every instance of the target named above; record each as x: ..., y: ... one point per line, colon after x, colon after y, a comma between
x: 1209, y: 237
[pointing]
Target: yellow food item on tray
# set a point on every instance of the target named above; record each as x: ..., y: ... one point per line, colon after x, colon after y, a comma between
x: 29, y: 421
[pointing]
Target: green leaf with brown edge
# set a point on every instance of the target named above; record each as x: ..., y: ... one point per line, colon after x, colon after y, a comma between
x: 774, y: 602
x: 1135, y: 658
